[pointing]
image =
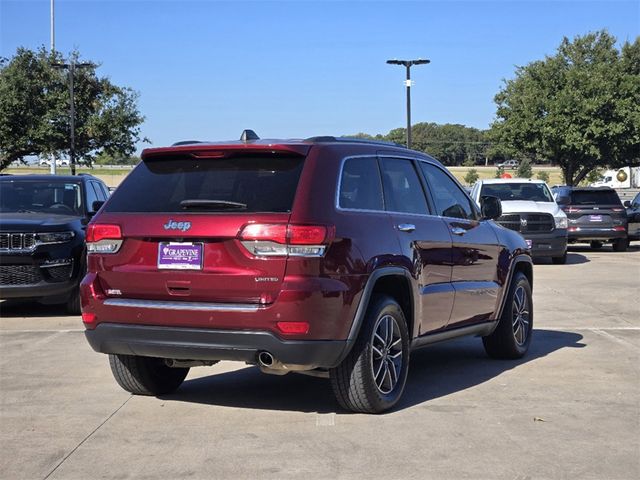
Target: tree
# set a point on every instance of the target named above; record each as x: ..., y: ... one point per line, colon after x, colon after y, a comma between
x: 579, y: 108
x: 524, y: 169
x: 34, y: 111
x: 542, y: 175
x: 472, y: 176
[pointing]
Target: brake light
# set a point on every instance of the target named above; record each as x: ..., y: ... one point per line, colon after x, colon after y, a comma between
x: 103, y: 238
x: 286, y: 240
x: 619, y: 228
x: 618, y: 209
x: 572, y: 209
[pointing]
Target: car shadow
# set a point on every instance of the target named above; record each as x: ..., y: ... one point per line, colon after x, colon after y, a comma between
x: 436, y: 371
x: 31, y: 309
x: 572, y: 259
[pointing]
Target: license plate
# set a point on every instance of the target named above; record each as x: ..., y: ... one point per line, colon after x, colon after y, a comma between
x: 180, y: 256
x: 529, y: 243
x: 595, y: 218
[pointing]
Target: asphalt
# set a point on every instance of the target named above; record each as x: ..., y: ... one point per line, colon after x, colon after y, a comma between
x: 570, y: 409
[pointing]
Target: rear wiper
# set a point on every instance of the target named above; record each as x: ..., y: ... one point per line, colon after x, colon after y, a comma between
x: 218, y: 204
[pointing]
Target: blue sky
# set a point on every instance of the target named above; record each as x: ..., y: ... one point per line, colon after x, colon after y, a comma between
x: 209, y: 69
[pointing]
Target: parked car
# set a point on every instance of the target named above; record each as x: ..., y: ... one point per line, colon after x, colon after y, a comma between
x: 45, y: 162
x: 633, y: 217
x: 327, y: 256
x: 512, y: 164
x: 528, y: 207
x: 42, y: 223
x: 595, y: 214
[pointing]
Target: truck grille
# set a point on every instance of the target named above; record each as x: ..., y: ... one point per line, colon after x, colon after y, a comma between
x: 17, y: 241
x: 19, y: 275
x: 527, y: 222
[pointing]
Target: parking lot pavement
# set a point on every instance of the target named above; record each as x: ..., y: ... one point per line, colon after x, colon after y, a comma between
x: 571, y: 409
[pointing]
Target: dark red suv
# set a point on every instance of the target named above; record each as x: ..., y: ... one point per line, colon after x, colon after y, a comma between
x: 327, y: 256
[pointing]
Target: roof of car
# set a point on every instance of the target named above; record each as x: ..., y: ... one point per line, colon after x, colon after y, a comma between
x: 510, y: 180
x: 47, y: 177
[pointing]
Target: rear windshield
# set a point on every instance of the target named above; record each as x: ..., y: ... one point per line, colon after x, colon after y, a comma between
x: 535, y: 192
x: 594, y: 197
x: 257, y: 183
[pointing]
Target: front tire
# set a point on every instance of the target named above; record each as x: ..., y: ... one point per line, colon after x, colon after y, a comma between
x: 560, y: 260
x: 372, y: 377
x: 512, y: 336
x: 146, y: 375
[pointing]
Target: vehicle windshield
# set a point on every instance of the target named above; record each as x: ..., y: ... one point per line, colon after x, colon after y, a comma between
x: 31, y: 196
x: 535, y: 192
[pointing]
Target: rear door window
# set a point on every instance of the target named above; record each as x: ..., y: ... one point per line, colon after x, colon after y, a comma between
x: 402, y: 189
x: 247, y: 183
x: 594, y: 197
x: 360, y: 186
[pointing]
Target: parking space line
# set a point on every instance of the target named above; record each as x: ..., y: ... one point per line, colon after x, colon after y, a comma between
x: 620, y: 341
x: 87, y: 438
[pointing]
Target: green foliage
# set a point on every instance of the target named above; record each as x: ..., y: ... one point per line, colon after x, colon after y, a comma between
x: 107, y: 159
x: 543, y: 175
x: 499, y: 172
x: 524, y: 169
x: 593, y: 176
x: 579, y: 108
x: 472, y: 176
x: 34, y: 111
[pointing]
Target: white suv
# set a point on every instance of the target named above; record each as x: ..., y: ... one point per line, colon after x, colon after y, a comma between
x: 528, y: 207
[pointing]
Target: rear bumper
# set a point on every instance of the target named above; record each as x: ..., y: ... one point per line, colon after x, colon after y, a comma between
x: 203, y: 344
x: 552, y: 244
x: 586, y: 233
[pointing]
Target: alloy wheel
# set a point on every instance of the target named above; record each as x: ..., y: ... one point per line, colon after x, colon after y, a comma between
x: 386, y: 354
x: 520, y: 314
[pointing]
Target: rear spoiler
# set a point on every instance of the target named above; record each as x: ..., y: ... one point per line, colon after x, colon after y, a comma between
x: 204, y: 151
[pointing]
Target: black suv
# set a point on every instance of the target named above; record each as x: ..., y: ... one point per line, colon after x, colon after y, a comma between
x: 595, y: 215
x: 42, y: 225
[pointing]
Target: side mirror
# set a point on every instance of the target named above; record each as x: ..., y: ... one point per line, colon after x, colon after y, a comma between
x: 627, y: 203
x: 96, y: 206
x: 490, y: 207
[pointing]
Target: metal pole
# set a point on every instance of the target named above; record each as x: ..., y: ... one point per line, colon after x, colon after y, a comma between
x: 72, y: 150
x: 409, y: 106
x: 53, y: 28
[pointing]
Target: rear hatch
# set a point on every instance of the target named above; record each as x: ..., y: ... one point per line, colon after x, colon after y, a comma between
x: 595, y: 209
x: 180, y: 216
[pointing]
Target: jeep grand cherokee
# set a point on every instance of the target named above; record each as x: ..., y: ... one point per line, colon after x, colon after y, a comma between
x: 332, y: 257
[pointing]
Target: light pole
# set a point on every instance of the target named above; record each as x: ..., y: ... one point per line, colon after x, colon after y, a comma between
x: 408, y: 64
x: 71, y: 67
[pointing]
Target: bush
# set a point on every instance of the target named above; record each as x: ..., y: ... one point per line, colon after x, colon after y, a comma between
x: 499, y: 172
x: 524, y: 170
x: 472, y: 176
x: 544, y: 176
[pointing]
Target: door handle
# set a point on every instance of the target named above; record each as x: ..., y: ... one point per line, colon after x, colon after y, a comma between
x: 406, y: 227
x: 458, y: 230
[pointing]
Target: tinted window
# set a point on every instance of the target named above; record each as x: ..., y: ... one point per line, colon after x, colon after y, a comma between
x: 450, y: 200
x: 360, y: 186
x: 535, y: 192
x: 594, y: 197
x: 260, y: 183
x: 92, y: 196
x: 402, y: 189
x: 53, y: 197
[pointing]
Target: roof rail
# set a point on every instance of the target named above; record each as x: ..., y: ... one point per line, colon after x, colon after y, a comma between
x: 330, y: 139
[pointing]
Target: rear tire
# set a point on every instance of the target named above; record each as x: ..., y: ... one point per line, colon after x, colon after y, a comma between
x: 560, y: 260
x: 620, y: 244
x: 596, y: 245
x: 512, y: 336
x: 146, y: 375
x: 372, y: 377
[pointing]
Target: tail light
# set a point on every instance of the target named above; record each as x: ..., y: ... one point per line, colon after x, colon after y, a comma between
x: 572, y: 209
x: 618, y: 209
x: 286, y: 240
x: 103, y: 238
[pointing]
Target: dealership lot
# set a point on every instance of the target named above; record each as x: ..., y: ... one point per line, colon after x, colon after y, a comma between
x: 570, y: 409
